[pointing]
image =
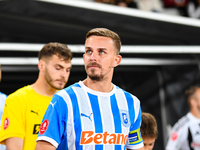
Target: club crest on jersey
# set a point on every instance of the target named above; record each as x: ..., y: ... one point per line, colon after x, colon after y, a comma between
x: 125, y: 118
x: 44, y: 126
x: 174, y: 136
x: 6, y: 123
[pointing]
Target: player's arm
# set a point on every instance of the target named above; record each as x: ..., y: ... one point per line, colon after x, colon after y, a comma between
x: 43, y: 145
x: 174, y: 142
x: 14, y: 143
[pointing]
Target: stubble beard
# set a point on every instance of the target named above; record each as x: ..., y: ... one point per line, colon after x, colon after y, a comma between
x: 49, y: 80
x: 94, y: 77
x: 91, y: 74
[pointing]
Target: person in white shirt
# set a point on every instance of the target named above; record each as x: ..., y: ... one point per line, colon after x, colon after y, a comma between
x: 185, y: 133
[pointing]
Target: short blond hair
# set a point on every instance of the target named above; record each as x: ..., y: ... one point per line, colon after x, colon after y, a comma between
x: 106, y: 33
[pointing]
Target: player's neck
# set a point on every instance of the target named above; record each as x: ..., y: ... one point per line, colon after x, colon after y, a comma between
x: 43, y: 88
x: 195, y: 113
x: 100, y: 86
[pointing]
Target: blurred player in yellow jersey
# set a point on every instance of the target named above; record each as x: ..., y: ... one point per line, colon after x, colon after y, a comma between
x: 24, y: 109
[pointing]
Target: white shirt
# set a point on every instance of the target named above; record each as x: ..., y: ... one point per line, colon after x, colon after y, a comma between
x: 185, y: 134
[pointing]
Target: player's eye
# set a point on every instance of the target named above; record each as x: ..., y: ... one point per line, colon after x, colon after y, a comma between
x: 58, y: 68
x: 88, y: 52
x: 102, y: 52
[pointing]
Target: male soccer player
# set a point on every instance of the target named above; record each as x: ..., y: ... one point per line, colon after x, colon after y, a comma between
x: 93, y: 113
x: 25, y: 108
x: 185, y: 133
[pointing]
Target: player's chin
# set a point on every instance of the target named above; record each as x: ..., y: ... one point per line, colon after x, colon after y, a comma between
x: 94, y: 72
x: 60, y: 86
x: 93, y: 69
x: 93, y: 75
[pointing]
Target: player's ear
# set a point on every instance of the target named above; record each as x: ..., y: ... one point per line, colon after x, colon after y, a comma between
x: 117, y: 61
x: 193, y: 102
x: 41, y: 64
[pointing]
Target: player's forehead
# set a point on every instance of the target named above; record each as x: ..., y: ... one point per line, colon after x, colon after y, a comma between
x: 148, y: 139
x: 99, y: 42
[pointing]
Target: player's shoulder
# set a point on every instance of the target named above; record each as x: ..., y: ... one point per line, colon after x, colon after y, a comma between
x: 21, y: 96
x: 65, y: 96
x: 21, y: 91
x: 129, y: 96
x: 71, y: 87
x: 3, y: 96
x: 183, y: 122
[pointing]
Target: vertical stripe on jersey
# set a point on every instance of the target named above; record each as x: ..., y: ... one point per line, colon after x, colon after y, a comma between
x: 97, y: 113
x: 106, y: 114
x: 76, y: 114
x: 123, y: 106
x: 107, y: 117
x: 190, y: 139
x: 70, y: 118
x: 131, y: 107
x: 85, y: 112
x: 116, y: 116
x: 97, y: 117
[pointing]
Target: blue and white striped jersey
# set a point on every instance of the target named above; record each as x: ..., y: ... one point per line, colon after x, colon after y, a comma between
x: 83, y: 119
